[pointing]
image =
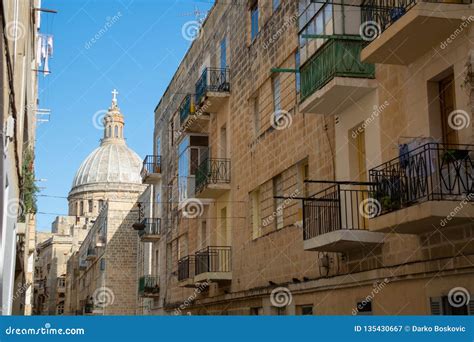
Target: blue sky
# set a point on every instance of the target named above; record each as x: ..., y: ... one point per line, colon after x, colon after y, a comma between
x: 137, y: 54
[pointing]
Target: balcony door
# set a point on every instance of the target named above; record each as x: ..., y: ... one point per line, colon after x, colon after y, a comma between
x: 447, y: 103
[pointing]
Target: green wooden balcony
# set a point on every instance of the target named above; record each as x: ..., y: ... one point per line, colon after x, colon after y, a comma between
x: 336, y: 67
x: 192, y: 120
x: 148, y: 286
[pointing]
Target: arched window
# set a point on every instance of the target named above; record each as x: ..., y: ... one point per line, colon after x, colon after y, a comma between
x: 116, y: 131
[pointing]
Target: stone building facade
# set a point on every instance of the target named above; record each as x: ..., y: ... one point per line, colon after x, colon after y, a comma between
x: 18, y: 108
x: 52, y: 254
x: 306, y: 167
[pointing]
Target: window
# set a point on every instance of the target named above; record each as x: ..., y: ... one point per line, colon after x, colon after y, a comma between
x: 256, y: 115
x: 90, y: 204
x: 305, y: 310
x: 116, y: 131
x: 276, y: 3
x: 256, y: 311
x: 61, y: 282
x: 157, y: 262
x: 447, y: 102
x: 102, y: 264
x: 81, y: 208
x: 224, y: 53
x: 255, y: 202
x: 60, y: 309
x: 364, y: 308
x: 254, y: 20
x: 441, y: 306
x: 278, y: 191
x: 297, y: 74
x: 276, y: 94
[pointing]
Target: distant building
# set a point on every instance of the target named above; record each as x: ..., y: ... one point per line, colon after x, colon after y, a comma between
x: 104, y: 193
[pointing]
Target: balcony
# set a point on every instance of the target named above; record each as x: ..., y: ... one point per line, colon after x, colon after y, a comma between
x: 151, y: 170
x: 334, y: 77
x: 152, y: 230
x: 186, y: 268
x: 148, y: 286
x: 410, y: 28
x: 213, y: 178
x: 334, y: 219
x: 429, y: 187
x: 101, y: 241
x: 213, y: 264
x: 192, y: 120
x: 91, y: 254
x: 212, y: 89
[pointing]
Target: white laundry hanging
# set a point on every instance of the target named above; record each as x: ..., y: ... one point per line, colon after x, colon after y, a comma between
x: 44, y: 51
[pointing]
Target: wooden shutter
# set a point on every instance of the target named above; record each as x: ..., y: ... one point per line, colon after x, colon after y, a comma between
x: 436, y: 306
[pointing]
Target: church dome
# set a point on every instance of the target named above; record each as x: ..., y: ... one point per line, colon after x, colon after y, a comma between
x: 109, y: 163
x: 112, y: 161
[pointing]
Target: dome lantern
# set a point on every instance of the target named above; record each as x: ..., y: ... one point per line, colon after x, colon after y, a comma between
x: 113, y: 123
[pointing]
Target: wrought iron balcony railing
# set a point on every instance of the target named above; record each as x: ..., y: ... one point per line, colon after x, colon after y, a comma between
x: 151, y: 164
x: 212, y: 80
x: 148, y: 285
x: 185, y: 109
x: 212, y: 171
x: 186, y: 268
x: 386, y: 12
x: 431, y: 172
x: 339, y: 56
x: 152, y: 227
x: 338, y: 207
x: 213, y: 259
